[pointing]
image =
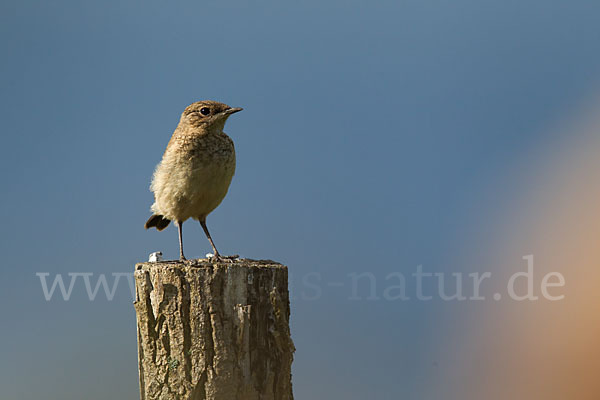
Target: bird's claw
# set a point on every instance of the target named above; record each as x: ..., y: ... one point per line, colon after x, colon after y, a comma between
x: 227, y: 259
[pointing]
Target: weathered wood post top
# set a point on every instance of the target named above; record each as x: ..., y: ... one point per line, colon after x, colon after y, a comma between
x: 213, y: 330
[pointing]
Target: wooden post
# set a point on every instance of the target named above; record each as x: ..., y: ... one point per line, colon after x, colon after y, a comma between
x: 213, y: 331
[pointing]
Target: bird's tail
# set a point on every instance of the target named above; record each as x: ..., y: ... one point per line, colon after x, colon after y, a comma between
x: 157, y: 221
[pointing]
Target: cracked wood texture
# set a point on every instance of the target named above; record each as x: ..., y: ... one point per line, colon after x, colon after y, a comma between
x: 213, y: 331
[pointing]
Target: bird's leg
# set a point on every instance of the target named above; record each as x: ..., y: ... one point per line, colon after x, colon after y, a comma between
x: 180, y: 229
x: 216, y: 252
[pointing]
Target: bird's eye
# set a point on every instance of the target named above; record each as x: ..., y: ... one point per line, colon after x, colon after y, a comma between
x: 205, y: 111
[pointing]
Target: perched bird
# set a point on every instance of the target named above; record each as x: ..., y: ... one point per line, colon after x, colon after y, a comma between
x: 196, y: 169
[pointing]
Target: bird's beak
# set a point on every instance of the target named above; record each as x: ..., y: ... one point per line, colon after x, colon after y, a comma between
x: 230, y: 111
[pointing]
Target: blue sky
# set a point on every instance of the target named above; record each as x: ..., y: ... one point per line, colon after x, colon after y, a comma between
x: 375, y: 136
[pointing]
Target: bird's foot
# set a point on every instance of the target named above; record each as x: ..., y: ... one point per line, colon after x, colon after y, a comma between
x: 230, y: 259
x: 219, y: 258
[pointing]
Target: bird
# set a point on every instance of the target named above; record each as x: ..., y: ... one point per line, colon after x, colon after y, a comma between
x: 196, y: 170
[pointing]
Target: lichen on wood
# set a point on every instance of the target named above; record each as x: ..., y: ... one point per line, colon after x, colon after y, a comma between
x: 213, y: 331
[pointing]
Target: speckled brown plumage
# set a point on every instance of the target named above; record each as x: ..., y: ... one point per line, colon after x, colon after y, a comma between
x: 196, y: 169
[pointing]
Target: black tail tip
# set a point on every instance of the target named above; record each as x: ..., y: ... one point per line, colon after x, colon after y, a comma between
x: 157, y: 221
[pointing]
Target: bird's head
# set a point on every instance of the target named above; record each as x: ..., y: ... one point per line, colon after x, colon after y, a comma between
x: 207, y: 114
